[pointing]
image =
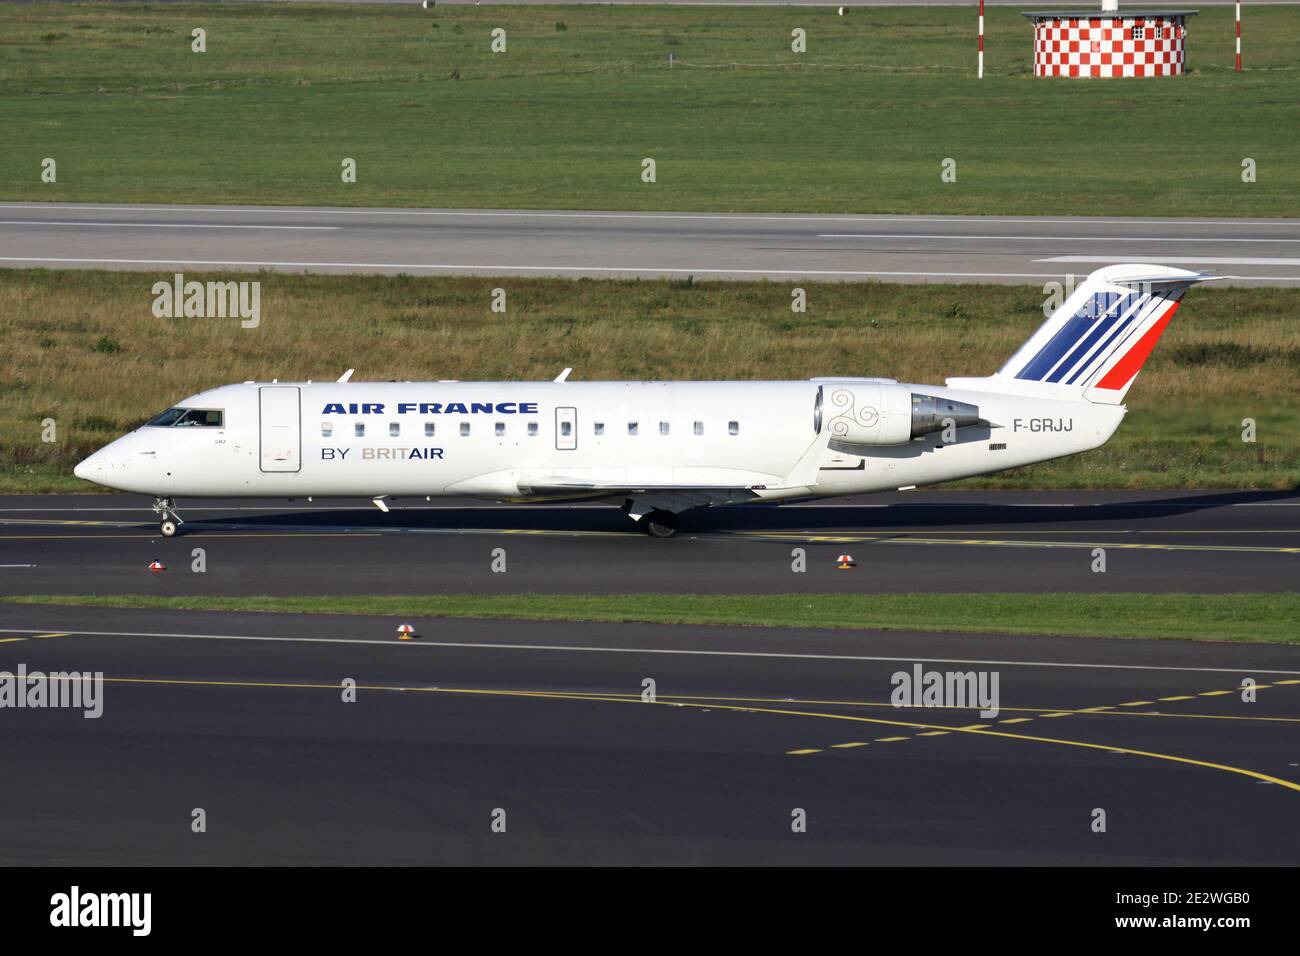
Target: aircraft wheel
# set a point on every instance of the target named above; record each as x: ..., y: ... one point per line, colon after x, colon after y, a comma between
x: 660, y: 524
x: 167, y: 527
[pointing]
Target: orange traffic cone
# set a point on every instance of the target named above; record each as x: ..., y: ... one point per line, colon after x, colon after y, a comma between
x: 845, y: 561
x: 405, y: 632
x: 156, y: 565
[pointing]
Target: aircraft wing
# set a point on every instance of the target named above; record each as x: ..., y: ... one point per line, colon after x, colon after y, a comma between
x: 667, y: 489
x: 648, y: 496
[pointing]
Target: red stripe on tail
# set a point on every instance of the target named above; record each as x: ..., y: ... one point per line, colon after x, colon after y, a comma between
x: 1127, y: 367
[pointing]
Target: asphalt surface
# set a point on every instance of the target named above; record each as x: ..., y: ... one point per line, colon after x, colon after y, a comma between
x: 738, y: 3
x: 243, y: 716
x: 505, y: 242
x: 953, y: 541
x: 768, y: 3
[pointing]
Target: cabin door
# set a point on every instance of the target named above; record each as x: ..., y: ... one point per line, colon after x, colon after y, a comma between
x: 281, y: 428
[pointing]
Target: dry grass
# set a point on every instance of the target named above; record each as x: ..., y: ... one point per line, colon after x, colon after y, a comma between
x: 83, y: 348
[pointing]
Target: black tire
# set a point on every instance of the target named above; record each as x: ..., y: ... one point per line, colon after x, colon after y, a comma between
x: 660, y: 524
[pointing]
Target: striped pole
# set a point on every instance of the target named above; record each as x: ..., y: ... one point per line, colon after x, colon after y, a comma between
x: 1238, y: 35
x: 981, y: 67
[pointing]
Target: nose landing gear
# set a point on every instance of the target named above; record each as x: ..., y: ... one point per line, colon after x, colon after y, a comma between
x: 170, y: 522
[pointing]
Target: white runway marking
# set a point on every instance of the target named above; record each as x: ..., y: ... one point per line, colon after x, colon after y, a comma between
x: 1190, y: 260
x: 685, y: 652
x: 155, y: 225
x: 465, y: 267
x: 949, y: 237
x: 704, y: 216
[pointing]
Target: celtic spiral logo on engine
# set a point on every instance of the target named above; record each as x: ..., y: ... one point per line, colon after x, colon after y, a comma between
x: 843, y: 401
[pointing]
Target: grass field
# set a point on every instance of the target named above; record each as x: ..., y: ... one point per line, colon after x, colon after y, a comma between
x: 1264, y: 618
x: 564, y: 117
x: 83, y: 348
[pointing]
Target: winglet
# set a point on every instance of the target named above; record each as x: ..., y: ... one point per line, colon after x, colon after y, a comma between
x: 563, y: 376
x: 346, y: 375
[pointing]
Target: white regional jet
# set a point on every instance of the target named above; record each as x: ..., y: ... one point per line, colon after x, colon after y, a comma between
x: 658, y: 448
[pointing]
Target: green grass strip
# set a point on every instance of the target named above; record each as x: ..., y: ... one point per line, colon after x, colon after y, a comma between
x: 1266, y: 618
x: 738, y: 121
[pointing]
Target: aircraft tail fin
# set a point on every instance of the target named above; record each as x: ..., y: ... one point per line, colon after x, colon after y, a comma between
x: 1095, y: 344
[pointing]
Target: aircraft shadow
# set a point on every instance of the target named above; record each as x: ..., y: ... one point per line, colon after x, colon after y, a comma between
x: 970, y: 513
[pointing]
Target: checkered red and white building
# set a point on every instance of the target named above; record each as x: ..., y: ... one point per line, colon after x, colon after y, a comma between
x: 1132, y: 43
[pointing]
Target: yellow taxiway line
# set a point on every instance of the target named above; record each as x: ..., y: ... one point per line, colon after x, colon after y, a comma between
x: 981, y: 730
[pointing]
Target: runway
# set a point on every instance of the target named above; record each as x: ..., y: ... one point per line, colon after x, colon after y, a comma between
x: 542, y: 727
x: 949, y: 541
x: 631, y: 244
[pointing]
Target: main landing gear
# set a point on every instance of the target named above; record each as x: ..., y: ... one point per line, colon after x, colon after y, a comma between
x: 659, y: 524
x: 655, y: 522
x: 170, y: 522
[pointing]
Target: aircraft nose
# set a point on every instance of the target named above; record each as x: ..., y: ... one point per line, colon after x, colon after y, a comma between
x: 90, y: 467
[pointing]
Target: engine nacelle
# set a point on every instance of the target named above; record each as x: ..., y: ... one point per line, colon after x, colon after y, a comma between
x: 877, y: 414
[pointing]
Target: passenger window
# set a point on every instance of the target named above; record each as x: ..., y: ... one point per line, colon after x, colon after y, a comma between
x: 663, y: 428
x: 733, y: 428
x: 428, y: 429
x: 500, y: 429
x: 360, y: 429
x: 600, y: 428
x: 699, y: 428
x: 327, y: 429
x: 464, y: 429
x: 532, y: 429
x: 394, y: 429
x: 631, y: 428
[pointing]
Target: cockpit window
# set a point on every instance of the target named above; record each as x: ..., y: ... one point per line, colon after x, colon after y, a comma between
x: 205, y: 417
x: 188, y: 417
x: 166, y: 418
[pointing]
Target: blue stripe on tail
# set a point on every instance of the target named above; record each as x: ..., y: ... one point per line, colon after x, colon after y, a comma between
x: 1135, y: 315
x: 1100, y: 305
x: 1113, y: 317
